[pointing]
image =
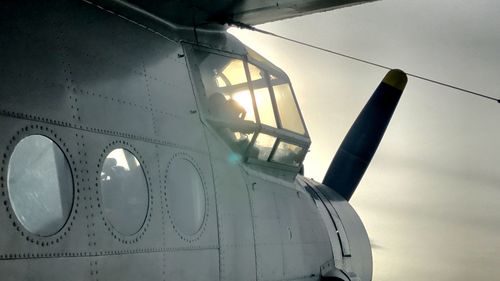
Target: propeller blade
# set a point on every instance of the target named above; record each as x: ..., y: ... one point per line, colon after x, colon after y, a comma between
x: 361, y: 142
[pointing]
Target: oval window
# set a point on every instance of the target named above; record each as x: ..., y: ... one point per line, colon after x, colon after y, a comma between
x: 186, y: 196
x: 124, y: 191
x: 40, y: 185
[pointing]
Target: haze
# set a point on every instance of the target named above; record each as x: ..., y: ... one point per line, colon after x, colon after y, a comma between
x: 430, y: 199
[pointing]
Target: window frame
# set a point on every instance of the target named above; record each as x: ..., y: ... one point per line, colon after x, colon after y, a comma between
x: 281, y: 134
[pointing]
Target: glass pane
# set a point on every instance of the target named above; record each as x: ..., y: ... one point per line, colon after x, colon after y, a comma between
x: 220, y: 82
x: 288, y: 153
x: 124, y: 191
x: 262, y: 96
x: 242, y: 99
x: 288, y: 111
x: 263, y: 146
x: 255, y: 72
x: 185, y: 196
x: 242, y: 139
x: 235, y: 107
x: 234, y: 72
x: 265, y: 106
x: 263, y: 62
x: 40, y: 185
x: 226, y: 87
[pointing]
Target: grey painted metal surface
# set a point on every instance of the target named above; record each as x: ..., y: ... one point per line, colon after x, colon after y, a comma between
x: 290, y: 238
x: 250, y: 12
x: 356, y: 257
x: 94, y: 80
x: 236, y: 229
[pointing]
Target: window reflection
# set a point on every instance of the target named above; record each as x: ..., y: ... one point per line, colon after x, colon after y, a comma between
x: 244, y: 100
x: 232, y: 109
x: 40, y: 185
x: 186, y: 196
x: 288, y: 153
x: 262, y: 96
x: 228, y: 95
x: 124, y: 191
x: 233, y: 73
x: 288, y: 111
x: 263, y: 146
x: 226, y: 88
x: 265, y: 106
x: 255, y: 72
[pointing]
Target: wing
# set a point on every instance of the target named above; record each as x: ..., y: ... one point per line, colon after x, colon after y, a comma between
x: 257, y: 12
x: 198, y: 12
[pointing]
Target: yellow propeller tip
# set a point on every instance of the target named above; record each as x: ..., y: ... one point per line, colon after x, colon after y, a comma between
x: 396, y: 78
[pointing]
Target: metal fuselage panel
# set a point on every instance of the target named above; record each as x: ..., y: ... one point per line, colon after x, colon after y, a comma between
x: 92, y: 81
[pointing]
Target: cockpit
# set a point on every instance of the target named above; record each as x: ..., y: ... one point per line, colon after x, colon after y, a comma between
x: 251, y: 104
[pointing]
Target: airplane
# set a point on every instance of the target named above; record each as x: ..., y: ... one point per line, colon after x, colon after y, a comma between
x: 141, y: 141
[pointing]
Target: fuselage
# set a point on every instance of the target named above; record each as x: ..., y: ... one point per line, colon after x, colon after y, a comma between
x: 113, y: 169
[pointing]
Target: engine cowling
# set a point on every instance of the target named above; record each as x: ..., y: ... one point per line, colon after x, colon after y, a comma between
x: 352, y: 256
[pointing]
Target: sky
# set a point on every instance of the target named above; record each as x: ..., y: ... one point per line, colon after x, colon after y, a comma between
x: 430, y: 199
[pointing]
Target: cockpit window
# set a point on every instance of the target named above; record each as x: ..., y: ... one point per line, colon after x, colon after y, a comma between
x: 252, y: 105
x: 232, y: 74
x: 287, y: 108
x: 256, y: 74
x: 288, y: 153
x: 226, y: 88
x: 262, y: 95
x: 263, y: 146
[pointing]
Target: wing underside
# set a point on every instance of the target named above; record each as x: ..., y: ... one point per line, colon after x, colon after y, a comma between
x: 258, y: 12
x: 253, y: 12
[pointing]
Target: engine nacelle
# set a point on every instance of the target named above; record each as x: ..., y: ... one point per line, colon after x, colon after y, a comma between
x: 352, y: 256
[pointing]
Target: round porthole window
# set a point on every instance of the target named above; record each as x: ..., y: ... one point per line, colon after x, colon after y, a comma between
x: 40, y: 185
x: 185, y: 196
x: 124, y: 191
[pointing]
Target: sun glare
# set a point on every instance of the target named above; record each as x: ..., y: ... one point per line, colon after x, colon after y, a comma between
x: 245, y: 100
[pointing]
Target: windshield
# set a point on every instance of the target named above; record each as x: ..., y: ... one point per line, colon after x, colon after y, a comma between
x: 253, y: 107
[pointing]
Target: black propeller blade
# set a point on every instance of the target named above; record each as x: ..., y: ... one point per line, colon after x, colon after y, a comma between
x: 361, y: 142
